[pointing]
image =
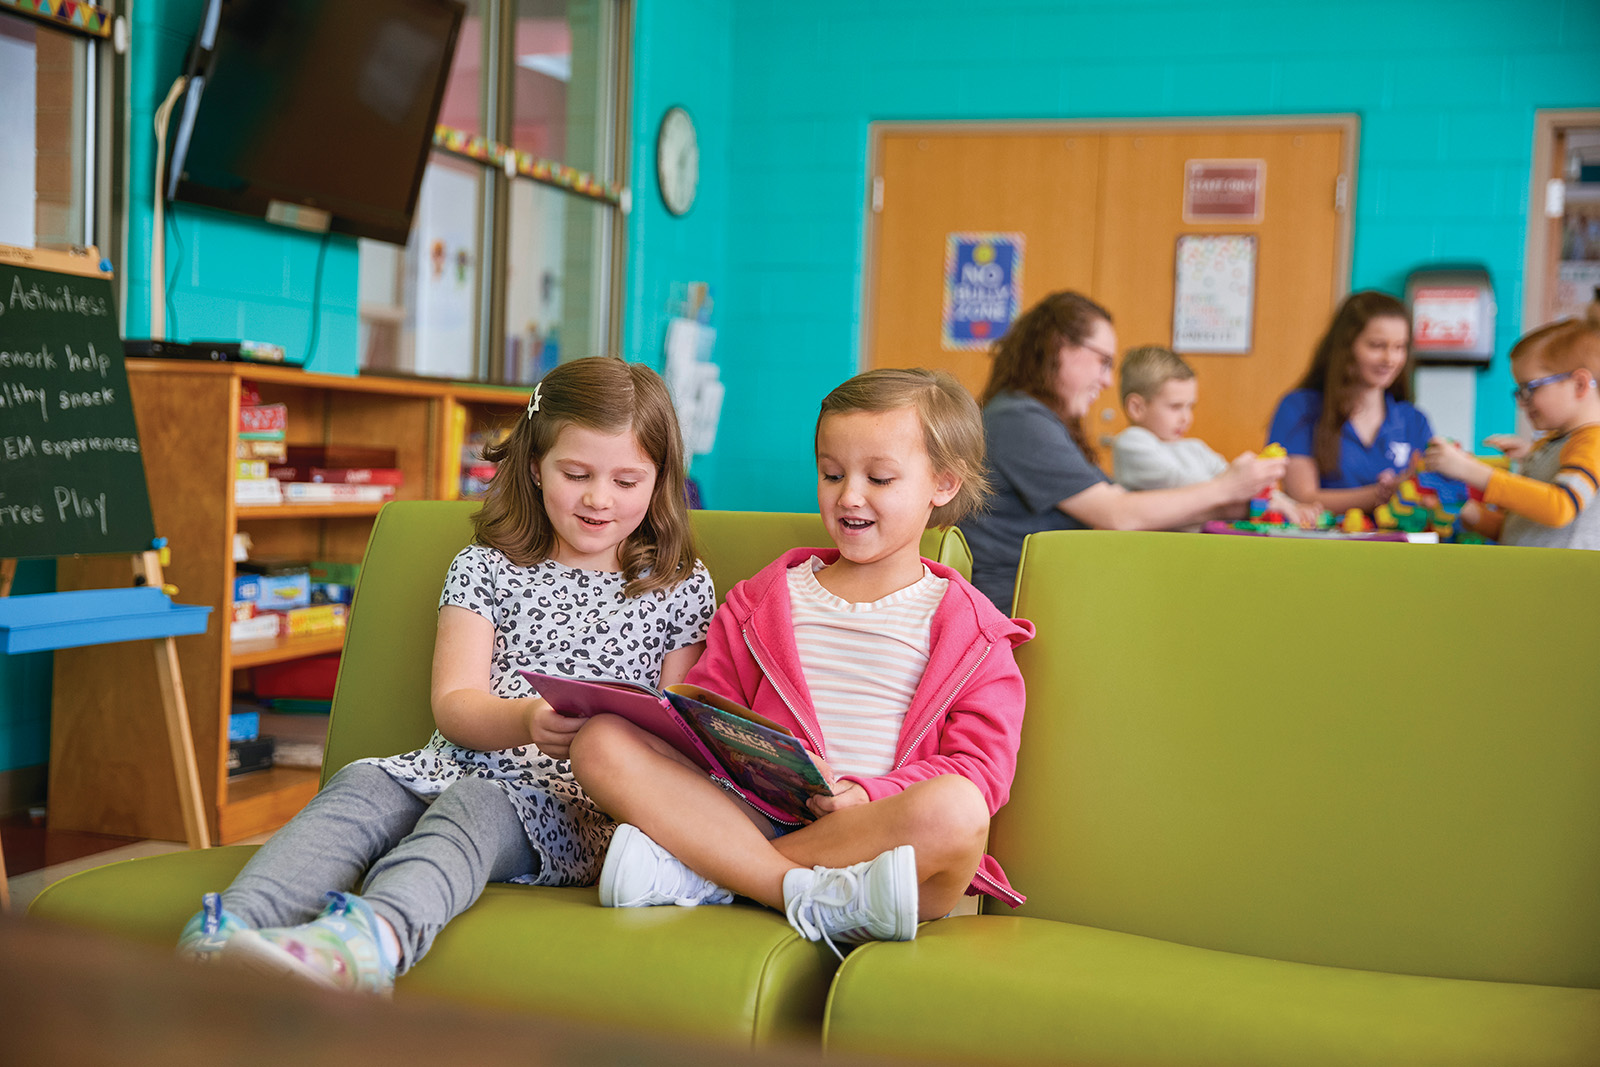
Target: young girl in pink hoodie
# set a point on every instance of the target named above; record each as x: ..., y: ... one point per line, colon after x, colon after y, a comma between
x: 895, y: 673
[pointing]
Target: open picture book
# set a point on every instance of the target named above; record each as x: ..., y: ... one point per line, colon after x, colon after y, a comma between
x: 766, y: 763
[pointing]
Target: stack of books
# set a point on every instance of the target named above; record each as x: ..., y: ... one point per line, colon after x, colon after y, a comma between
x: 329, y: 474
x: 262, y: 432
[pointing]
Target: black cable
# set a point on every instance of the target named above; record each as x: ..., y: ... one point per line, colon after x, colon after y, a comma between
x: 316, y: 297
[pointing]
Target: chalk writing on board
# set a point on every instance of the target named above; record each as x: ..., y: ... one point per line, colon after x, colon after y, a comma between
x: 71, y: 472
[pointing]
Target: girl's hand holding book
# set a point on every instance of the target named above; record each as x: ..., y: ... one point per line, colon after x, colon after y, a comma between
x: 845, y: 794
x: 549, y: 729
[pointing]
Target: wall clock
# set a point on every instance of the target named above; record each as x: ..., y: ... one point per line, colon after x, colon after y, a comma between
x: 677, y: 160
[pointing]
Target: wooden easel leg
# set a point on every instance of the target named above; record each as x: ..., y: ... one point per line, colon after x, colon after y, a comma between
x: 181, y: 742
x: 5, y: 886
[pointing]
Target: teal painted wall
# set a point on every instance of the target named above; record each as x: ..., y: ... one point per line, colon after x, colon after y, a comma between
x: 25, y: 684
x: 1446, y: 94
x: 231, y: 277
x: 683, y: 56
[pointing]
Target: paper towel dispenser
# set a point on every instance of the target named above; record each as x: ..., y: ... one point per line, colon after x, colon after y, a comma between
x: 1452, y: 314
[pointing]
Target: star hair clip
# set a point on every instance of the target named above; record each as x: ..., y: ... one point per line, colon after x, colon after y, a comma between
x: 533, y: 402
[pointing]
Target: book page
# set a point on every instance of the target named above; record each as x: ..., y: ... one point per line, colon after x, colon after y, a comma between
x: 768, y: 763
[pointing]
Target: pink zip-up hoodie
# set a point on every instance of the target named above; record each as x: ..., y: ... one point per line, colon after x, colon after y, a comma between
x: 965, y: 717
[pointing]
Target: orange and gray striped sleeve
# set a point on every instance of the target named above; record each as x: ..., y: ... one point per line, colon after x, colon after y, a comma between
x: 1557, y: 502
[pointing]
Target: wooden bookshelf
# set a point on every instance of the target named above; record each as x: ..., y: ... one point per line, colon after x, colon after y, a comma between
x: 110, y: 770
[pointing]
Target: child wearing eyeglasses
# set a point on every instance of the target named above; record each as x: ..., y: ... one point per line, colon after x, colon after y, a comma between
x: 1557, y: 368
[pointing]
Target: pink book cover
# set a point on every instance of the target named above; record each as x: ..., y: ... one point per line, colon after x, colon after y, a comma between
x: 766, y: 764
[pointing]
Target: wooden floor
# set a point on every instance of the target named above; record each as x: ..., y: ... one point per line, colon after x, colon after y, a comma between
x: 31, y: 845
x: 36, y: 855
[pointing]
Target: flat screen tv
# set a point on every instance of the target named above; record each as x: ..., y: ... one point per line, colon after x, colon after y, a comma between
x: 314, y: 113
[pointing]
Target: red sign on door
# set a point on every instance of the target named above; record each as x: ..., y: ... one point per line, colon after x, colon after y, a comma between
x: 1224, y: 190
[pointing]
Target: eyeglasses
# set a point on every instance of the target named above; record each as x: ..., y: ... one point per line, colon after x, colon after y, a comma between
x: 1109, y: 359
x: 1524, y: 392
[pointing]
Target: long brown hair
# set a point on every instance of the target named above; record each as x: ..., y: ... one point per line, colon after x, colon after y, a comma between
x: 952, y: 427
x: 1333, y: 370
x: 608, y: 396
x: 1028, y: 357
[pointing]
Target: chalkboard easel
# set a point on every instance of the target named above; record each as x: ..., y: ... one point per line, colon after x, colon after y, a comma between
x: 72, y: 482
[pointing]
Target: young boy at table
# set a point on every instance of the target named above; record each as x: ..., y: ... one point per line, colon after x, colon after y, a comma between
x: 1159, y: 391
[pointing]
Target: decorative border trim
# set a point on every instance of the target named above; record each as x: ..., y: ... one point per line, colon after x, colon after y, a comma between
x: 71, y: 15
x: 477, y: 147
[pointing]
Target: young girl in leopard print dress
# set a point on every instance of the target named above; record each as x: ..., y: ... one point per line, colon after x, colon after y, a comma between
x: 583, y: 565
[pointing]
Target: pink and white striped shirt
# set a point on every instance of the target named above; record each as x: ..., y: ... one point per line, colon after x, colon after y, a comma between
x: 862, y: 663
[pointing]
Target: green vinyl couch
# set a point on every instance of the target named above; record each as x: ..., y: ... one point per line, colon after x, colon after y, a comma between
x: 739, y: 974
x: 1279, y: 802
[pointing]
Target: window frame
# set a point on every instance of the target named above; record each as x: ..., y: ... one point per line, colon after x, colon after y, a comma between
x: 103, y: 31
x: 501, y: 165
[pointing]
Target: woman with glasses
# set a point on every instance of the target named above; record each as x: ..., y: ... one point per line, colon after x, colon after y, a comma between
x: 1046, y: 372
x: 1349, y: 427
x: 1557, y: 368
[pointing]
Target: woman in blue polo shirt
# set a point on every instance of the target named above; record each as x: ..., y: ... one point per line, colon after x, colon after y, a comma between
x: 1350, y: 428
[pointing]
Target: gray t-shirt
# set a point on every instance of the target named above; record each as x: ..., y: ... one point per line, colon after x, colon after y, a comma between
x: 1033, y: 465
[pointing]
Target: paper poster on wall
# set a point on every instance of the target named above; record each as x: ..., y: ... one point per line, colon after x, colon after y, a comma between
x: 982, y: 288
x: 1213, y: 307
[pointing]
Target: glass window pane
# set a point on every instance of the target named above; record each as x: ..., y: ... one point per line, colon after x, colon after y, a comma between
x: 43, y: 83
x: 558, y: 279
x: 419, y: 306
x: 562, y: 81
x: 462, y: 107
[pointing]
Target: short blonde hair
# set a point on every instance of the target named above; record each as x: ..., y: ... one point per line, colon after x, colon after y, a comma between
x: 952, y: 427
x: 1146, y: 369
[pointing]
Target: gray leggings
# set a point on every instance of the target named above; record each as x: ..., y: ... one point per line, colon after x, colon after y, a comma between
x: 424, y: 863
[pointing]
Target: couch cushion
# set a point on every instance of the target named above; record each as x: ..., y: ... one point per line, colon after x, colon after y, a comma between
x: 1378, y: 756
x: 1003, y: 988
x: 736, y: 974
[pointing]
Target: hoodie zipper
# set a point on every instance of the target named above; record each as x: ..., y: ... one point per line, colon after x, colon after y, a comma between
x: 816, y: 743
x: 939, y: 714
x: 998, y: 891
x: 738, y: 790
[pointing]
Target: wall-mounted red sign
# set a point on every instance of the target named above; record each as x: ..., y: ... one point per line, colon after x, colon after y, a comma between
x: 1224, y: 190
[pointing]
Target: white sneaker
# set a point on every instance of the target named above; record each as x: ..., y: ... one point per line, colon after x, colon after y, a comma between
x: 871, y: 901
x: 638, y: 873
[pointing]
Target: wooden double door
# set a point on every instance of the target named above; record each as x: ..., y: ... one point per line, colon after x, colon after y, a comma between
x: 1101, y: 209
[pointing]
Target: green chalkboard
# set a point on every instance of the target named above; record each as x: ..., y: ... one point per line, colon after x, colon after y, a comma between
x: 71, y: 472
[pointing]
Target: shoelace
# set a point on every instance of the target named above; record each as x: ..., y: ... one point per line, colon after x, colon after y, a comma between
x: 833, y: 888
x: 677, y: 882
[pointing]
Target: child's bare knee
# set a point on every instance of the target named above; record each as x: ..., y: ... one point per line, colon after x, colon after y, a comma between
x: 951, y: 809
x: 603, y: 743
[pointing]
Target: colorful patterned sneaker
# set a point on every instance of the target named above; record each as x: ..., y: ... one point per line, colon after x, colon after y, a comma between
x: 871, y: 901
x: 208, y: 931
x: 638, y: 873
x: 339, y: 949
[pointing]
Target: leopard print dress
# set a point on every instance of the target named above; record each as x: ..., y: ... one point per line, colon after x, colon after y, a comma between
x: 554, y: 619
